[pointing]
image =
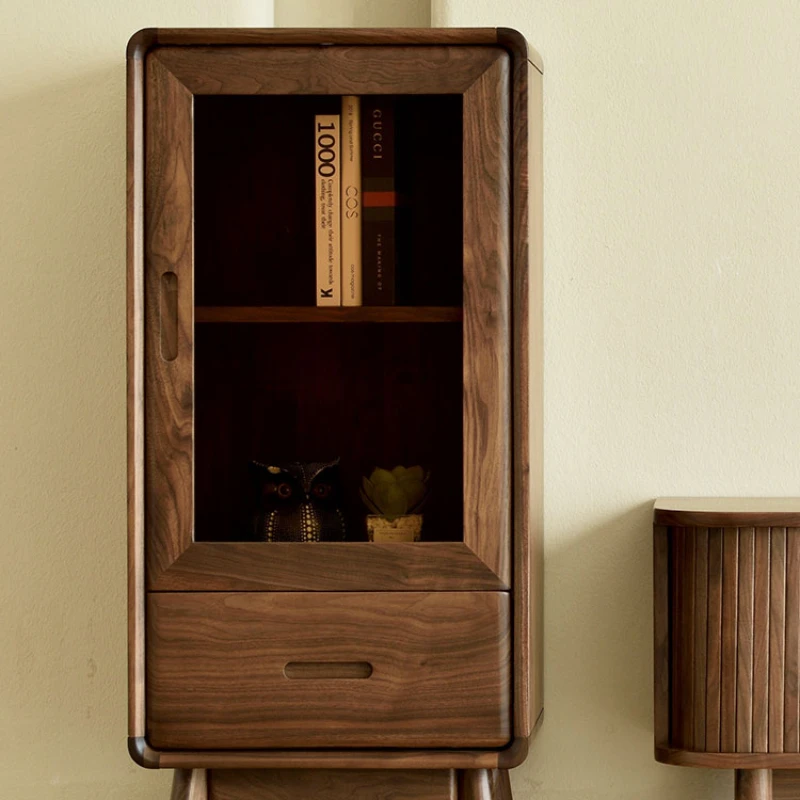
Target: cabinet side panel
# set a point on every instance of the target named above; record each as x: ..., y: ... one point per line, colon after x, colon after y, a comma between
x: 135, y: 357
x: 487, y: 318
x: 168, y: 319
x: 528, y: 507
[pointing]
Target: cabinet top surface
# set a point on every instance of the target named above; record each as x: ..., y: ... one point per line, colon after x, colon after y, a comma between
x: 729, y: 505
x: 727, y: 511
x: 511, y: 39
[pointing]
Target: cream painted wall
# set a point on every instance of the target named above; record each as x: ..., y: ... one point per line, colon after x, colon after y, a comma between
x: 352, y: 13
x: 62, y: 392
x: 671, y: 245
x: 672, y: 322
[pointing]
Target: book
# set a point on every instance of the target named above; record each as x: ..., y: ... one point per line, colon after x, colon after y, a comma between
x: 351, y: 200
x: 378, y: 200
x: 329, y: 277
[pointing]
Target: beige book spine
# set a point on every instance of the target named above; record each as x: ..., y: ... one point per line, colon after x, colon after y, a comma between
x: 351, y: 201
x: 329, y: 270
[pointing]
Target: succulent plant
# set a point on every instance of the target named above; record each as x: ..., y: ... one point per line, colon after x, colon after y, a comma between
x: 393, y: 493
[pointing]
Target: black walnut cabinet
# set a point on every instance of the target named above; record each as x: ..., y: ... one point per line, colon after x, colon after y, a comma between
x: 350, y: 669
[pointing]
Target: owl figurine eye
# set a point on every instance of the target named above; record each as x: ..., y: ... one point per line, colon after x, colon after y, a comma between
x: 297, y: 502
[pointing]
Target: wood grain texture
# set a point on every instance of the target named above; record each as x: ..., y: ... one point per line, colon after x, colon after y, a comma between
x: 484, y: 784
x: 700, y: 631
x: 729, y: 655
x: 326, y: 567
x: 777, y: 637
x: 190, y: 784
x: 678, y: 757
x: 487, y: 318
x: 340, y: 759
x: 791, y: 688
x: 737, y: 589
x: 147, y: 38
x: 135, y: 392
x: 761, y: 620
x: 527, y: 365
x: 168, y: 248
x: 753, y: 784
x: 327, y: 70
x: 661, y: 655
x: 276, y: 314
x: 786, y: 784
x: 682, y: 683
x: 714, y: 646
x: 333, y: 784
x: 727, y: 511
x: 744, y: 644
x: 215, y: 670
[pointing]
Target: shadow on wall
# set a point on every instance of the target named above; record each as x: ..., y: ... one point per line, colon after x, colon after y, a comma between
x: 599, y: 702
x: 64, y: 543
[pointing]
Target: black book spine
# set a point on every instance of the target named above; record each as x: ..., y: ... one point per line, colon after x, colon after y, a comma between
x: 379, y: 200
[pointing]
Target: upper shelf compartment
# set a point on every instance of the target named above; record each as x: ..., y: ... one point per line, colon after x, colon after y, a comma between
x: 255, y: 201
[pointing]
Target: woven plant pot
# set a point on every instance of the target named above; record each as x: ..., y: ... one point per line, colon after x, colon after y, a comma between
x: 402, y: 529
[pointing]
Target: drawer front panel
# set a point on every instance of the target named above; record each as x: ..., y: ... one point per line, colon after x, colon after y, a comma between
x: 333, y: 669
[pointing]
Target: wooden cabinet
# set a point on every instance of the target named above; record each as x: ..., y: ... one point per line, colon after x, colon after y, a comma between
x: 352, y: 654
x: 727, y: 638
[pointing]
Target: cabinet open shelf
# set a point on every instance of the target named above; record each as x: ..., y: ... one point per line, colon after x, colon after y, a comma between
x: 276, y: 314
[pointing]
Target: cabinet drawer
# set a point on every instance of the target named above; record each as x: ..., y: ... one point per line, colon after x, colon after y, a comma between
x: 328, y: 669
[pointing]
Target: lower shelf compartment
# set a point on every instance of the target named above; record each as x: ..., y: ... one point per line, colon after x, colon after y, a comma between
x: 328, y: 670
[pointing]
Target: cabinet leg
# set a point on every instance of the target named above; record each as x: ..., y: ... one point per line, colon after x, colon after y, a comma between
x: 189, y: 784
x: 484, y: 784
x: 753, y: 784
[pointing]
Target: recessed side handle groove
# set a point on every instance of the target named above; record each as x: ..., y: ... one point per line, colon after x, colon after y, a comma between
x: 325, y: 670
x: 169, y: 316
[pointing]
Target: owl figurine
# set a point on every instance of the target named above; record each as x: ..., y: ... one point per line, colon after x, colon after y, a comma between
x: 298, y: 502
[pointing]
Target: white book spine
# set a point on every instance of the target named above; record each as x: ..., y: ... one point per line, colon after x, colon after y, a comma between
x: 329, y: 270
x: 351, y: 201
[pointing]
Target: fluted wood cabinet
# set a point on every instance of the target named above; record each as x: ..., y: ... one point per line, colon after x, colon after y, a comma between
x: 416, y: 666
x: 727, y: 638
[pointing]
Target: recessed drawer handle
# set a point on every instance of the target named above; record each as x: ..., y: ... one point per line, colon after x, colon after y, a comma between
x: 324, y: 670
x: 169, y: 316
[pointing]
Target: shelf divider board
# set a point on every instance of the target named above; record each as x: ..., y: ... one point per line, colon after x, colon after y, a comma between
x: 324, y: 314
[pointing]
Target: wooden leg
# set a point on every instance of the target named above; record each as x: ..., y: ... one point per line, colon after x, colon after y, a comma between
x: 503, y: 785
x: 753, y: 784
x: 189, y: 784
x: 485, y: 784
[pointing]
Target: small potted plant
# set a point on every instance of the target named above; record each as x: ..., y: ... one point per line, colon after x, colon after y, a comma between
x: 395, y: 498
